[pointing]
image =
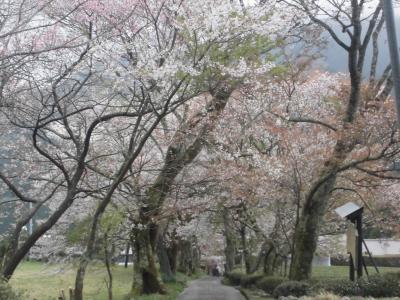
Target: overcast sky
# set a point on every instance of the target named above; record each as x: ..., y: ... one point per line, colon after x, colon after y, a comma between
x: 336, y: 58
x: 372, y: 4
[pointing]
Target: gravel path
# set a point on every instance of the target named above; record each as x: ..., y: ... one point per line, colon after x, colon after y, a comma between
x: 209, y: 288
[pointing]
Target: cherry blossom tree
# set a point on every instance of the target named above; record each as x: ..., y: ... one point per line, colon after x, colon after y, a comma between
x: 216, y: 43
x: 349, y: 17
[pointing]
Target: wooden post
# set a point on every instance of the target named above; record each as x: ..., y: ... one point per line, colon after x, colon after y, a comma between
x: 359, y: 246
x: 351, y: 268
x: 127, y: 255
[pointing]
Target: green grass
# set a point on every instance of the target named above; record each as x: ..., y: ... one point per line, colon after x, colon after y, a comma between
x: 45, y: 282
x: 342, y: 272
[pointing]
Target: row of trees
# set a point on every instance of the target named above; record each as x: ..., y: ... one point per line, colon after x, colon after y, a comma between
x: 150, y: 119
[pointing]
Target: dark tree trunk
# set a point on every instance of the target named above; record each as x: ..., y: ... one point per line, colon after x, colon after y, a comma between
x: 260, y: 257
x: 245, y: 249
x: 147, y: 278
x: 185, y: 257
x: 172, y: 252
x: 307, y: 229
x: 230, y: 241
x: 127, y: 255
x: 189, y: 256
x: 165, y: 266
x: 107, y: 260
x: 183, y: 149
x: 268, y: 269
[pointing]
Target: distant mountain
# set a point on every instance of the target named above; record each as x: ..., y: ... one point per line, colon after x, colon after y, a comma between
x: 336, y: 59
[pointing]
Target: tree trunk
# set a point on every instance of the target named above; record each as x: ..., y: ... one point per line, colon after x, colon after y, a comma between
x: 189, y: 256
x: 172, y: 252
x: 196, y: 256
x: 146, y: 278
x: 268, y: 270
x: 230, y: 241
x: 165, y: 266
x: 260, y: 257
x: 245, y: 249
x: 316, y: 202
x: 126, y: 262
x: 123, y: 170
x: 150, y: 277
x: 307, y: 229
x: 185, y: 259
x: 107, y: 260
x: 80, y: 276
x: 184, y: 148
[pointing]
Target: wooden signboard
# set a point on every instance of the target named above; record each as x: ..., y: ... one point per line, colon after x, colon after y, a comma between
x: 352, y: 236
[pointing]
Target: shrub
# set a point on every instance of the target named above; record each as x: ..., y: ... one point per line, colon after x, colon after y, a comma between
x: 291, y: 288
x: 234, y: 278
x: 249, y: 280
x: 392, y: 275
x: 225, y: 281
x: 269, y: 283
x: 380, y: 286
x: 6, y: 292
x: 343, y: 287
x: 387, y: 285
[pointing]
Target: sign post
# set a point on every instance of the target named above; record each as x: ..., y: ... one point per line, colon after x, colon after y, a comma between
x: 353, y: 213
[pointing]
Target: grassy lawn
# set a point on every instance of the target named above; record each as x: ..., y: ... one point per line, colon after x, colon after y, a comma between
x: 45, y: 281
x: 342, y: 272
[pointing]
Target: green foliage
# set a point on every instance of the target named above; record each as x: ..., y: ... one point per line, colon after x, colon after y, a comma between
x: 78, y: 231
x: 291, y: 288
x: 269, y: 283
x: 392, y: 275
x: 4, y: 244
x: 342, y: 287
x: 7, y: 293
x: 234, y: 278
x: 372, y: 232
x: 387, y: 285
x: 255, y: 49
x: 380, y: 286
x: 167, y: 279
x: 335, y: 102
x: 250, y: 280
x: 251, y: 49
x: 111, y: 221
x: 279, y: 71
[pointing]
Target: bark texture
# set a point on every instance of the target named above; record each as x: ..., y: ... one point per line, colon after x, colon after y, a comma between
x: 317, y: 199
x: 165, y: 265
x: 184, y: 148
x: 230, y: 241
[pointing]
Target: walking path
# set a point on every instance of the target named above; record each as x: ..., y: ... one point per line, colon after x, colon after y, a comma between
x: 209, y: 288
